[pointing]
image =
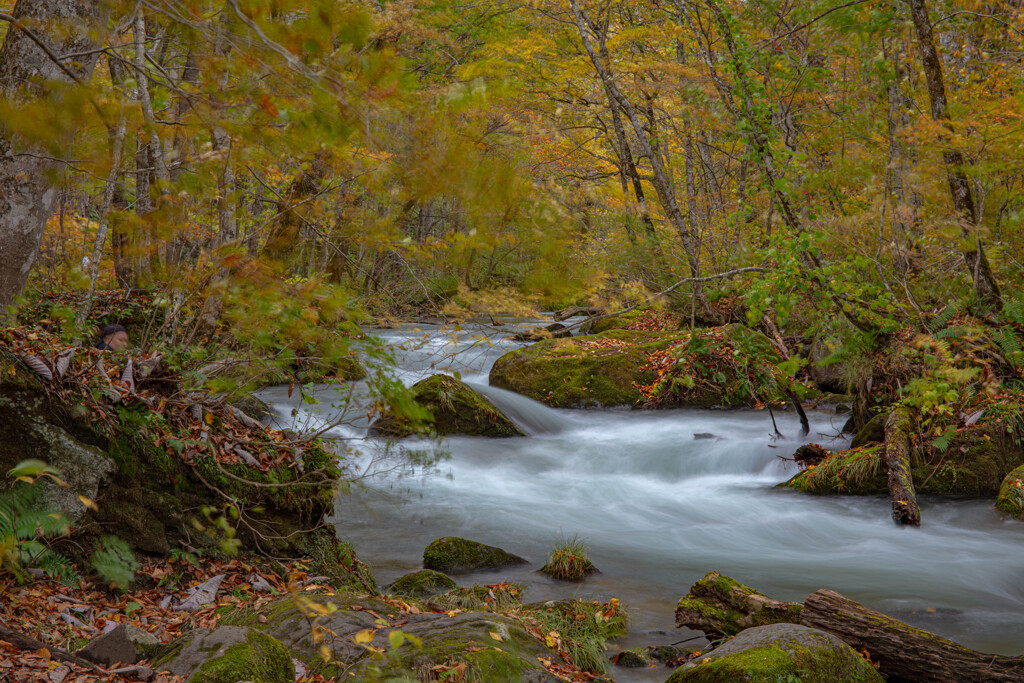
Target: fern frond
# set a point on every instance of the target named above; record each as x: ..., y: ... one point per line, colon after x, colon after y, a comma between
x: 942, y: 318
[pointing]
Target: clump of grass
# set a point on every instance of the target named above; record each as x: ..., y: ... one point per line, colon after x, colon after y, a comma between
x: 568, y: 561
x: 580, y: 630
x: 499, y: 597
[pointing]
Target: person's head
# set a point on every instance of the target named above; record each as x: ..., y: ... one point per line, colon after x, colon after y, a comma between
x: 115, y: 337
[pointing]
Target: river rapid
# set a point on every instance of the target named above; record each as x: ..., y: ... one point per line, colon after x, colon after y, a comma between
x: 661, y: 498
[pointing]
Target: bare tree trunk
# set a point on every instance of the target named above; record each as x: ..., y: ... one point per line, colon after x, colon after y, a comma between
x: 27, y: 191
x: 985, y: 285
x: 117, y: 146
x: 661, y: 178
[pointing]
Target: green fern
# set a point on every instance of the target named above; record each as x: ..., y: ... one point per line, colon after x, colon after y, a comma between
x: 955, y: 332
x: 115, y: 562
x: 1013, y: 310
x: 942, y: 318
x: 942, y: 441
x: 25, y: 523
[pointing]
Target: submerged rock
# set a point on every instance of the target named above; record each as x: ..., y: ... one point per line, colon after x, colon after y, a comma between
x: 455, y: 408
x: 228, y: 654
x: 422, y: 584
x: 454, y: 555
x: 779, y: 652
x: 1011, y: 493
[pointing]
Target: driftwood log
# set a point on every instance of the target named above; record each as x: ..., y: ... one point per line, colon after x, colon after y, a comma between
x: 902, y: 652
x: 905, y: 509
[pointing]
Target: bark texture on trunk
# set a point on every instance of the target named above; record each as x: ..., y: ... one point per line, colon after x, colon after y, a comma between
x: 901, y: 651
x: 905, y: 510
x: 27, y: 190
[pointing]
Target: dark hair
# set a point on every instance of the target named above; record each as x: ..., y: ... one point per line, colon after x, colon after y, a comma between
x: 111, y: 329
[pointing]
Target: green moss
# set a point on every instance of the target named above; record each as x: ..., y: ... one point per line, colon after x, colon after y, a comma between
x: 455, y: 409
x: 594, y: 370
x: 774, y: 663
x: 1011, y: 493
x: 422, y: 584
x: 260, y: 659
x: 871, y: 433
x: 451, y: 554
x: 974, y: 464
x: 717, y: 604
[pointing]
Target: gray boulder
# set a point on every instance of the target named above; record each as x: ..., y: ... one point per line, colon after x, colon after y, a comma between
x: 126, y: 645
x: 779, y: 652
x: 28, y: 430
x: 228, y: 654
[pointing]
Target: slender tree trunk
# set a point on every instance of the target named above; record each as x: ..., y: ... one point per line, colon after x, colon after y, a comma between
x: 109, y: 189
x: 661, y: 178
x: 985, y: 286
x: 27, y: 190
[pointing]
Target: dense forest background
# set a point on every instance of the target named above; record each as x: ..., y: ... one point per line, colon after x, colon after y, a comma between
x: 837, y: 167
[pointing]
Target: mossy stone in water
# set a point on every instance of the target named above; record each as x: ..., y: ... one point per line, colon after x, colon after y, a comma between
x: 454, y: 555
x: 422, y: 584
x: 455, y: 408
x: 1011, y: 493
x: 779, y: 652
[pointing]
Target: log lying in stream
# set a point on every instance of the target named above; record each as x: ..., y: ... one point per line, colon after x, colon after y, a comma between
x: 720, y: 606
x: 905, y: 509
x: 905, y: 653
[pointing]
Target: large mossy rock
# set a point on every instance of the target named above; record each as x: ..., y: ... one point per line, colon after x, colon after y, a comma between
x: 779, y: 652
x: 453, y: 555
x: 593, y: 370
x: 1011, y: 493
x: 422, y: 584
x: 455, y: 408
x: 975, y: 463
x: 729, y: 366
x: 32, y: 428
x: 493, y: 647
x: 228, y: 654
x: 721, y: 606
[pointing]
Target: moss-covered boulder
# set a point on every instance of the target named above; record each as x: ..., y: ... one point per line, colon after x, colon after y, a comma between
x: 1011, y: 493
x: 455, y: 555
x: 721, y: 606
x: 422, y: 584
x: 779, y: 652
x: 228, y: 654
x: 727, y: 366
x: 455, y: 409
x: 975, y: 462
x: 593, y: 370
x: 492, y: 647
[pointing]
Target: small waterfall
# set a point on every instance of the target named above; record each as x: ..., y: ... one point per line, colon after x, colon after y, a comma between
x: 531, y: 416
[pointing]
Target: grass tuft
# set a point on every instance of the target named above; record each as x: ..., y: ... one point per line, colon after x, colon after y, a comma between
x: 568, y: 561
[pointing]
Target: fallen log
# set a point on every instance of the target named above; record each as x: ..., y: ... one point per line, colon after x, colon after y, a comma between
x: 905, y: 510
x: 720, y: 606
x: 902, y: 652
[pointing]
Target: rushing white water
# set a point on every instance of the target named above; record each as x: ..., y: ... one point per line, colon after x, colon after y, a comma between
x: 660, y: 503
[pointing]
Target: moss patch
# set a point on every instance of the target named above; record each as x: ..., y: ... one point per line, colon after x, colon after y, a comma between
x: 422, y: 584
x: 1011, y: 493
x: 594, y: 370
x: 454, y: 408
x: 260, y: 659
x: 452, y: 555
